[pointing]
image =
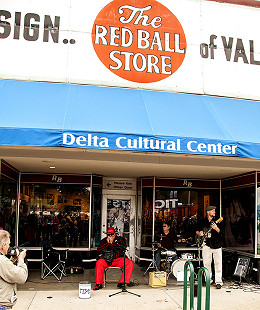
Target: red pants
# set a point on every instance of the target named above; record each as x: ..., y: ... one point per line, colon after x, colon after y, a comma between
x: 101, y: 264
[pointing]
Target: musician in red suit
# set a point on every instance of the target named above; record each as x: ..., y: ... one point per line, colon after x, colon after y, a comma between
x: 111, y: 254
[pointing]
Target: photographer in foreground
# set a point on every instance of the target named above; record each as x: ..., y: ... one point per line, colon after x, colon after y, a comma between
x: 10, y: 274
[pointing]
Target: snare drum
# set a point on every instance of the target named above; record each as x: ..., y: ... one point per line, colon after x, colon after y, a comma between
x: 187, y: 256
x: 169, y: 253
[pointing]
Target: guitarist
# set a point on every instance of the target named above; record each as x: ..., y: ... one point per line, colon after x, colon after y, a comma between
x: 213, y: 244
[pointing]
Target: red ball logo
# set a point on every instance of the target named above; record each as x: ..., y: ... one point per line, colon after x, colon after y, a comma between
x: 140, y: 41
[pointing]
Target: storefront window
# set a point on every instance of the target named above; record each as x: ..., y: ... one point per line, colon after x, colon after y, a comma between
x: 59, y: 213
x: 147, y: 216
x: 96, y: 216
x: 8, y: 196
x: 239, y: 218
x: 180, y: 207
x: 166, y: 209
x: 258, y: 221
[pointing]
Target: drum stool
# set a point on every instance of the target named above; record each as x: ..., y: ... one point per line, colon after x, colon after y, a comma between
x: 105, y: 280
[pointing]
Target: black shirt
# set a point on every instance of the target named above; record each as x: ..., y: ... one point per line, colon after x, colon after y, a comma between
x: 168, y: 240
x: 214, y: 239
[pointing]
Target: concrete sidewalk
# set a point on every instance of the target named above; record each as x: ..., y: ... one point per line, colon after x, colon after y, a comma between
x: 152, y: 298
x: 64, y: 295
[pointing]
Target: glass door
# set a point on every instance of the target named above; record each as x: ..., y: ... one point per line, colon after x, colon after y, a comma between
x: 118, y: 216
x: 118, y: 212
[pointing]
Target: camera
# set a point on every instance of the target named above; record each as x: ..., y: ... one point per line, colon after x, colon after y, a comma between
x: 14, y: 252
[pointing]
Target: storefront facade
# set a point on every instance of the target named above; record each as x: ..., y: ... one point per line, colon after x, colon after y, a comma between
x: 128, y: 113
x: 74, y: 211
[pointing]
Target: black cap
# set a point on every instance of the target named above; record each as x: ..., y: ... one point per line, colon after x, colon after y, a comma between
x: 209, y: 208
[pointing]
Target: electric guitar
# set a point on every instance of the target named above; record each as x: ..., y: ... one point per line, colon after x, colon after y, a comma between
x: 200, y: 240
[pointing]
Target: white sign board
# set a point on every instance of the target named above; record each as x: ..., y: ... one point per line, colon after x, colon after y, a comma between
x: 188, y: 46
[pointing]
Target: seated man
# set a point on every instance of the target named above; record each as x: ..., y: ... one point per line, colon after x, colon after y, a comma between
x: 166, y: 242
x: 111, y: 250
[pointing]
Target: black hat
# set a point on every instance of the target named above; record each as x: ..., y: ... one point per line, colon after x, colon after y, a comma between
x: 209, y: 208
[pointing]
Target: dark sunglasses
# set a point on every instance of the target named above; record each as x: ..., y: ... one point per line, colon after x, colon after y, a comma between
x: 110, y: 234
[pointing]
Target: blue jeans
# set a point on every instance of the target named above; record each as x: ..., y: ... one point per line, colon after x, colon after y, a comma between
x: 158, y: 257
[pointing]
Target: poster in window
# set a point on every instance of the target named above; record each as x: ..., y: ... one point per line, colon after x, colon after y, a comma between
x: 118, y: 215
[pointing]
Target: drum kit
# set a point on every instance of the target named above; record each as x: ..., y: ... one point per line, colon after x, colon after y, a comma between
x: 172, y: 264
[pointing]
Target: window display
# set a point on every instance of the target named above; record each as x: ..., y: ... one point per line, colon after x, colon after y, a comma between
x: 8, y: 201
x: 118, y: 216
x: 147, y: 216
x: 96, y: 216
x: 239, y: 218
x: 59, y: 213
x: 258, y: 221
x: 180, y: 207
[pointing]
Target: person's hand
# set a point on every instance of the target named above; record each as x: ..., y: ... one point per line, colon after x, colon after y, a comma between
x: 201, y: 234
x: 110, y: 239
x: 22, y: 254
x: 13, y: 259
x: 215, y: 227
x: 159, y: 245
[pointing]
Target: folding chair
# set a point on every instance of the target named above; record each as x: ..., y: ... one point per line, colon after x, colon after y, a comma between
x: 52, y: 261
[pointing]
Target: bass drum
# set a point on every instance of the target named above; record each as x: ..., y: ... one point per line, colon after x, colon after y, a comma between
x: 178, y: 266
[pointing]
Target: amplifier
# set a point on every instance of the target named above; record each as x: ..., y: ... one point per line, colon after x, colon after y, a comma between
x: 157, y: 278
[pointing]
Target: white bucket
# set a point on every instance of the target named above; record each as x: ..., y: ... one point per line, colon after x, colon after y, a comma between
x: 84, y: 290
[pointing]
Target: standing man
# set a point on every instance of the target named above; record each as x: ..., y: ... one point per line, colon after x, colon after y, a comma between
x: 111, y: 250
x: 10, y: 274
x: 213, y: 244
x: 166, y: 242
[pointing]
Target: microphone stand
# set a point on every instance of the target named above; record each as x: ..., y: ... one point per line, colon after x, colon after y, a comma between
x: 124, y: 290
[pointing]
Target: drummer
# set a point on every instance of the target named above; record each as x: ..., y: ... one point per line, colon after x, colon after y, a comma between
x: 165, y: 242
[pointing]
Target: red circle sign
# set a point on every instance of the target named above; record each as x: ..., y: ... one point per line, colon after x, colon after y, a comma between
x: 140, y: 41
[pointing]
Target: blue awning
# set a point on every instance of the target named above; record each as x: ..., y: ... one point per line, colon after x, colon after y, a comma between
x: 95, y: 117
